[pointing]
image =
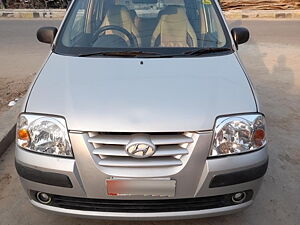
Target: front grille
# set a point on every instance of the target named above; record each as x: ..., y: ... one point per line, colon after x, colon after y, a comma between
x: 144, y: 206
x: 110, y: 149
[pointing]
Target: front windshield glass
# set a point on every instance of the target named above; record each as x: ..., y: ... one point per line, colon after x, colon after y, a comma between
x: 151, y: 26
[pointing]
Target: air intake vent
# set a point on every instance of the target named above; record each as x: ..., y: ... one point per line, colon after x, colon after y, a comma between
x: 111, y: 149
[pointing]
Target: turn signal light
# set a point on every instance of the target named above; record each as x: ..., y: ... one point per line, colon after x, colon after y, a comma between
x: 23, y: 135
x: 259, y: 137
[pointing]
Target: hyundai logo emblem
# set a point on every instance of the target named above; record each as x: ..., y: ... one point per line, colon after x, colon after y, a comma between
x: 140, y: 150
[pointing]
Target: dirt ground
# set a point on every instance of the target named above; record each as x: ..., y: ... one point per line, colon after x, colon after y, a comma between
x: 12, y: 88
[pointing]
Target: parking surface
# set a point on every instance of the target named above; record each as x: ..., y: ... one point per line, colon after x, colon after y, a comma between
x: 272, y: 60
x: 21, y: 56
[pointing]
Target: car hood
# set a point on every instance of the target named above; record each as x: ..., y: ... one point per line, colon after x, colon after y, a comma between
x: 141, y: 95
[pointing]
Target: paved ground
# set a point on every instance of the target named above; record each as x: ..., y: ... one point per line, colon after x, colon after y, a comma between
x: 21, y: 56
x: 21, y: 53
x: 272, y: 59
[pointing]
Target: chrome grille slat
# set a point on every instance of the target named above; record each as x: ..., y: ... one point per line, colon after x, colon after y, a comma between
x: 170, y: 139
x: 132, y: 162
x: 110, y: 139
x: 119, y: 150
x: 110, y: 149
x: 156, y: 139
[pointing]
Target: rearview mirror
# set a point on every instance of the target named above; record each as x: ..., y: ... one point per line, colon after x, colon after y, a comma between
x: 240, y: 35
x: 46, y: 34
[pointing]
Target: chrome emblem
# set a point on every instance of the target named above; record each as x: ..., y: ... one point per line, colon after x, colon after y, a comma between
x: 140, y: 150
x: 140, y: 146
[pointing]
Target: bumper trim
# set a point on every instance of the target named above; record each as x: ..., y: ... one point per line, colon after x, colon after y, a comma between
x: 144, y: 206
x: 239, y: 177
x: 41, y: 177
x: 144, y: 216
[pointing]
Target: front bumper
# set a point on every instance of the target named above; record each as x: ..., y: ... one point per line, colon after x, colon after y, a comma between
x: 89, y: 183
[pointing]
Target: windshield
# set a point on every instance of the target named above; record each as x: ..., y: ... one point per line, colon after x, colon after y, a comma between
x: 141, y: 27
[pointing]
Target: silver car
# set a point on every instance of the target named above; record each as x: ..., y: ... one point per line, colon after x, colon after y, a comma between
x: 142, y: 111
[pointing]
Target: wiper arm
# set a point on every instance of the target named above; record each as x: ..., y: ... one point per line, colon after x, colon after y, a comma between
x: 203, y: 51
x: 120, y: 53
x: 155, y: 54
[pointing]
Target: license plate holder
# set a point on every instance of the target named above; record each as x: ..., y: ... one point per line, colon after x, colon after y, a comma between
x: 141, y: 187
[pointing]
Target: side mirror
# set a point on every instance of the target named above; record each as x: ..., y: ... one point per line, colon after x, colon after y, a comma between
x: 240, y: 35
x: 46, y: 34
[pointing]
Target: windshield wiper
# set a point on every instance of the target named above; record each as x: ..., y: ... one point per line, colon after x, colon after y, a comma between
x: 203, y: 51
x: 121, y: 53
x: 144, y: 54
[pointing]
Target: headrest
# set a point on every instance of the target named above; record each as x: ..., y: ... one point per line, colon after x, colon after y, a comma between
x: 174, y: 2
x: 173, y: 10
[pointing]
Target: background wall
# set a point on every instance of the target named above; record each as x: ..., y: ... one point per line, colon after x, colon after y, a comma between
x: 34, y: 4
x: 260, y: 4
x: 227, y: 4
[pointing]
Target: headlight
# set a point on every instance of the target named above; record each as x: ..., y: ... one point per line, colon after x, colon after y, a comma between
x: 43, y: 134
x: 238, y: 134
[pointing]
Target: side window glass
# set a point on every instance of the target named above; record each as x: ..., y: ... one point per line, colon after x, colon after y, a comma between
x: 215, y: 33
x: 78, y: 25
x: 97, y: 14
